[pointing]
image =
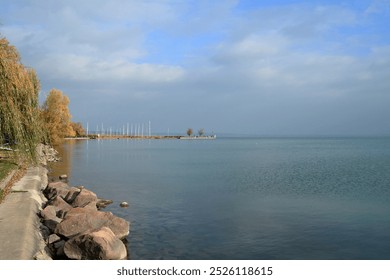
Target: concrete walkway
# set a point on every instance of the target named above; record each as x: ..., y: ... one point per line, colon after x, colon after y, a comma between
x: 20, y: 236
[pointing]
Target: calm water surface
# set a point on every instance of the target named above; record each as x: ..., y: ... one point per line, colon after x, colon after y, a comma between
x: 235, y: 198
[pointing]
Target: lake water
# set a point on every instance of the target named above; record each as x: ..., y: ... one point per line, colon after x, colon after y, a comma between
x: 235, y: 198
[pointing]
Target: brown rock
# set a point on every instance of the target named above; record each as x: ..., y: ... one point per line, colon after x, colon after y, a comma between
x: 92, y: 205
x: 100, y: 244
x: 63, y: 177
x: 61, y: 206
x: 102, y: 203
x: 56, y: 188
x: 52, y: 223
x: 83, y: 198
x: 79, y: 220
x: 72, y: 194
x: 53, y: 238
x: 56, y: 184
x: 49, y: 212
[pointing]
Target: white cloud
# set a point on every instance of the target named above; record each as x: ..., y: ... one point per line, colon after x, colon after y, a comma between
x: 281, y: 63
x: 251, y: 47
x: 83, y: 68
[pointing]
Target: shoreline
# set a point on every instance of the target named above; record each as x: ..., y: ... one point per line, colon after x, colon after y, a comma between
x: 25, y: 230
x: 153, y: 137
x: 103, y: 137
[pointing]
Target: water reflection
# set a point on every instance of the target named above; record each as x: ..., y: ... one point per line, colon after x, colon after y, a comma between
x: 242, y: 198
x: 64, y: 165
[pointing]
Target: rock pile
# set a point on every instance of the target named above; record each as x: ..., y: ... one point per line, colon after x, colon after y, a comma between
x: 47, y: 154
x: 76, y: 229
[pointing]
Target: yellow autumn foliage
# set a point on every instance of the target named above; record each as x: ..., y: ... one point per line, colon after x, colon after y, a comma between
x: 21, y: 126
x: 57, y: 117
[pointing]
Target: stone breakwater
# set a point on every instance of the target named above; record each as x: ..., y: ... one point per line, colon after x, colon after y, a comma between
x: 75, y: 228
x: 46, y: 154
x: 41, y: 220
x: 72, y: 225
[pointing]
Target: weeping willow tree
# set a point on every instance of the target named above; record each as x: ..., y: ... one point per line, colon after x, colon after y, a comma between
x: 21, y: 125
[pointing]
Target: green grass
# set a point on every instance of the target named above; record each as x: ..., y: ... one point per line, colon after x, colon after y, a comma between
x: 5, y: 168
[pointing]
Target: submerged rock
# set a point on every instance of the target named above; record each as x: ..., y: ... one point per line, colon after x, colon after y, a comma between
x: 124, y: 204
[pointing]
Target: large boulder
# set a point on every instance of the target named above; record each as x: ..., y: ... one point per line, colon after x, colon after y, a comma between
x: 79, y: 220
x: 100, y: 244
x: 58, y: 188
x: 52, y: 223
x: 85, y: 198
x: 71, y: 218
x: 60, y: 205
x: 49, y: 216
x: 49, y: 212
x: 72, y: 194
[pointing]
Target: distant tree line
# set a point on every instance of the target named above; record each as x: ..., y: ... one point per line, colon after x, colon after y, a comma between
x: 190, y: 132
x: 23, y: 123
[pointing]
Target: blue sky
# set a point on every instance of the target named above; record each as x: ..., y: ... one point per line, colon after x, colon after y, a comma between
x: 248, y: 67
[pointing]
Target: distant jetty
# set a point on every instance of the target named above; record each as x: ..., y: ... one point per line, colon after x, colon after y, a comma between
x: 212, y: 137
x: 98, y: 136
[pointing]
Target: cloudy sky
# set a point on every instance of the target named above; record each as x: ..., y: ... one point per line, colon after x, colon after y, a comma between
x: 250, y: 67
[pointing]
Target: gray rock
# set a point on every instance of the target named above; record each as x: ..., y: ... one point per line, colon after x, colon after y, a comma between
x: 59, y: 249
x: 100, y: 244
x: 53, y: 238
x: 79, y: 220
x: 45, y: 231
x: 52, y: 223
x: 124, y: 204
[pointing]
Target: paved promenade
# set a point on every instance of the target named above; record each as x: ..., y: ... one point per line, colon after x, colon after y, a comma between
x: 20, y: 237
